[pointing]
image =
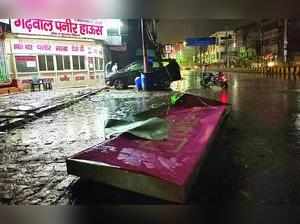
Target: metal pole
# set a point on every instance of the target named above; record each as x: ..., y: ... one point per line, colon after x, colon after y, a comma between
x: 260, y: 53
x: 285, y: 42
x: 145, y: 59
x: 227, y: 52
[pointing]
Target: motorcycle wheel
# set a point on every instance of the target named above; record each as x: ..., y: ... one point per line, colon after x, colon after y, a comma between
x: 203, y: 84
x: 225, y: 85
x: 120, y: 84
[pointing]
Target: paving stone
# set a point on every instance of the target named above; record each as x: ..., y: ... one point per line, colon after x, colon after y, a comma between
x: 41, y: 174
x: 63, y: 201
x: 21, y: 188
x: 35, y: 201
x: 6, y: 195
x: 43, y: 193
x: 65, y: 183
x: 26, y: 193
x: 61, y: 167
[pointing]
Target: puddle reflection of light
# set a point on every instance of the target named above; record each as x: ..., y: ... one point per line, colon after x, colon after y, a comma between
x: 223, y: 97
x: 235, y: 84
x: 235, y: 95
x: 298, y: 102
x: 297, y: 122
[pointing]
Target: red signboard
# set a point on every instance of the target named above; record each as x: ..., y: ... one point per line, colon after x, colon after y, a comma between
x: 79, y: 78
x: 25, y: 58
x: 64, y: 78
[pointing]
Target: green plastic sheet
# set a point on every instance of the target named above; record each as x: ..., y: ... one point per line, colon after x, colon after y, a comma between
x: 147, y: 124
x: 175, y: 97
x: 152, y: 128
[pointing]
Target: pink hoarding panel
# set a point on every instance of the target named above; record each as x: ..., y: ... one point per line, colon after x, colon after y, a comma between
x: 172, y: 160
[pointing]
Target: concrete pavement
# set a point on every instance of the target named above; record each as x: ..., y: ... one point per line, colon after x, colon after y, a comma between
x: 22, y: 107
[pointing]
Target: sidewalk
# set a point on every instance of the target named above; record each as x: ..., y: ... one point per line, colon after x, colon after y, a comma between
x: 20, y: 108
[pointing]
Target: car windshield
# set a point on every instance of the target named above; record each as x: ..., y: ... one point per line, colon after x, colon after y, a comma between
x: 138, y: 66
x: 134, y: 67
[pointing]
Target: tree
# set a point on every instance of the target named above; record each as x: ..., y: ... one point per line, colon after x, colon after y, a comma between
x: 185, y: 56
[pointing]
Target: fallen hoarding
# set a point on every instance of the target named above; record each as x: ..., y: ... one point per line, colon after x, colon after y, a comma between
x: 164, y: 169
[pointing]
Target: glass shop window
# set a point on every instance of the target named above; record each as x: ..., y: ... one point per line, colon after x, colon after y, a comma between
x: 75, y: 62
x: 46, y: 62
x: 26, y: 63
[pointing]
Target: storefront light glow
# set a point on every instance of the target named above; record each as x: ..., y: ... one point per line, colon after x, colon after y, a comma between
x: 271, y: 64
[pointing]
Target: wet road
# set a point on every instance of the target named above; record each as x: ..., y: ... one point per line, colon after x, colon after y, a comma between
x: 255, y: 160
x: 32, y: 158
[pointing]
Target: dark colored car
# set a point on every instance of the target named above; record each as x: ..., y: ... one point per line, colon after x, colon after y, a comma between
x: 124, y: 77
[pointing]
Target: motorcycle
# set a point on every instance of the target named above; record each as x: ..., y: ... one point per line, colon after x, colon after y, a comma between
x: 209, y: 79
x: 221, y: 80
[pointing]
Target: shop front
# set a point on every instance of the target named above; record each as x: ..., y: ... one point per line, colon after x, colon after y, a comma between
x: 63, y: 62
x: 33, y: 52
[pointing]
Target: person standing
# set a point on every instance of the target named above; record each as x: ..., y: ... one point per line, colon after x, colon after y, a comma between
x: 108, y: 68
x: 114, y: 67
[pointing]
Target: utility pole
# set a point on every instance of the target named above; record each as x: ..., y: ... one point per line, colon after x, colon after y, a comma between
x: 260, y: 53
x: 227, y: 52
x: 145, y: 58
x: 285, y: 41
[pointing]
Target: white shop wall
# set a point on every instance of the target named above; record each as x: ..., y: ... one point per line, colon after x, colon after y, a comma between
x: 22, y: 51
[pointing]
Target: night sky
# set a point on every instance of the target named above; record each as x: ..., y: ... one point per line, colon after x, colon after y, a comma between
x: 177, y: 30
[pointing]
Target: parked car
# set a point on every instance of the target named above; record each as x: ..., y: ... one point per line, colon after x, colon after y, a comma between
x: 126, y: 76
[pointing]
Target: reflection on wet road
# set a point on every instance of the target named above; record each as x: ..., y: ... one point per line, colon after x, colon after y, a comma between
x: 255, y: 159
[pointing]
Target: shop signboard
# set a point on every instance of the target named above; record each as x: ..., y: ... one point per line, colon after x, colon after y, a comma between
x: 200, y: 41
x: 3, y: 69
x: 59, y: 27
x: 55, y: 48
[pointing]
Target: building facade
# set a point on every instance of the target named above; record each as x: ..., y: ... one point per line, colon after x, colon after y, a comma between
x: 223, y: 51
x: 271, y: 40
x: 68, y: 52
